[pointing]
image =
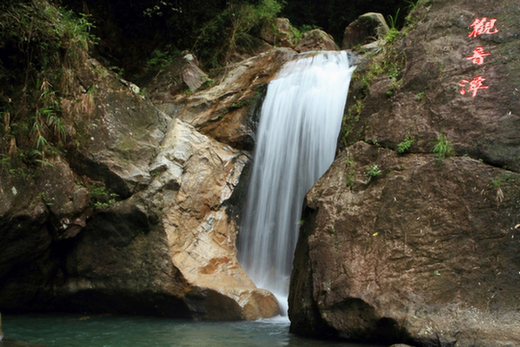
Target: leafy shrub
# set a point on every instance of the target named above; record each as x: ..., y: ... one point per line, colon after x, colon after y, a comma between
x: 443, y: 147
x: 236, y: 21
x: 404, y: 146
x: 101, y: 197
x: 374, y: 171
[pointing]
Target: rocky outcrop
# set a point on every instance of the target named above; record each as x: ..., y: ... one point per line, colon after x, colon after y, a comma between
x: 426, y: 252
x: 279, y: 34
x: 418, y: 90
x: 183, y: 75
x: 227, y: 111
x: 367, y: 28
x: 316, y: 40
x: 398, y: 244
x: 134, y: 219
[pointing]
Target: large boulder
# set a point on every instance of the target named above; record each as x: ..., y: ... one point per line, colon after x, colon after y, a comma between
x: 279, y: 34
x: 316, y: 40
x: 172, y: 240
x: 424, y: 253
x: 411, y: 247
x: 137, y: 217
x: 367, y: 28
x: 418, y: 86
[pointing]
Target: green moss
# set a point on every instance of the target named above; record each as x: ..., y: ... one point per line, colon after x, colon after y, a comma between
x: 351, y: 172
x: 350, y: 119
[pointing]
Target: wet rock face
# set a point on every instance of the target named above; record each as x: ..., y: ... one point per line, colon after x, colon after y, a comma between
x: 408, y: 247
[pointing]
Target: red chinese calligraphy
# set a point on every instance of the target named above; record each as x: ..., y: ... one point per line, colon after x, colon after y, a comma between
x: 482, y: 26
x: 478, y: 55
x: 474, y: 85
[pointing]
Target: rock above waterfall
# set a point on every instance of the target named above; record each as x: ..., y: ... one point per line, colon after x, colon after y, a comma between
x: 183, y: 75
x: 280, y: 34
x: 409, y: 247
x: 316, y: 40
x: 367, y: 28
x: 225, y: 111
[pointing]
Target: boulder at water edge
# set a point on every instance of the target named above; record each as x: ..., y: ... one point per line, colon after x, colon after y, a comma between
x: 137, y: 218
x: 422, y: 247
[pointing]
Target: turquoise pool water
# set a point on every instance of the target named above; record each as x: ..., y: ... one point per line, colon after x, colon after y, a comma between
x: 112, y: 331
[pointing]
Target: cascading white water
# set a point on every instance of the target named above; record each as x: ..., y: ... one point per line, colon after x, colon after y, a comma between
x: 296, y: 142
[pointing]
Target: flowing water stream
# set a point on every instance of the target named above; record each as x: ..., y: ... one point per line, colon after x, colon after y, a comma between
x: 296, y: 143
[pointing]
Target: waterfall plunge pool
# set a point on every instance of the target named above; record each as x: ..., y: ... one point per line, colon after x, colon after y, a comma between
x: 120, y: 331
x: 298, y: 131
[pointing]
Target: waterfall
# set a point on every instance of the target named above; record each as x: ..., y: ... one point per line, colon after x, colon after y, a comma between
x: 296, y: 141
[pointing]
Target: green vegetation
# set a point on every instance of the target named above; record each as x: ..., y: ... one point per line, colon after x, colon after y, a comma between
x: 392, y: 23
x: 507, y: 187
x: 373, y: 171
x: 350, y: 119
x: 504, y: 179
x: 100, y: 197
x: 160, y: 59
x: 405, y: 145
x: 393, y: 86
x: 351, y: 173
x: 236, y: 22
x: 40, y: 43
x: 412, y: 17
x: 386, y: 62
x: 443, y: 147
